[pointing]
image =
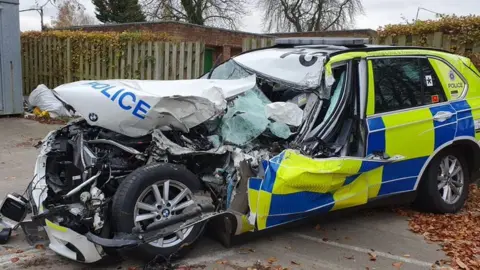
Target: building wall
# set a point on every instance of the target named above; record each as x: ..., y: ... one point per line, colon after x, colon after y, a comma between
x: 213, y: 37
x: 11, y: 98
x: 222, y: 41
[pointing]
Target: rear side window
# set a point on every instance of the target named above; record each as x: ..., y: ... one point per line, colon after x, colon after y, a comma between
x: 402, y: 83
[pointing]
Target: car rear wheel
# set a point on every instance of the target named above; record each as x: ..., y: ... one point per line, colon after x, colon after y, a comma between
x: 154, y: 193
x: 444, y: 188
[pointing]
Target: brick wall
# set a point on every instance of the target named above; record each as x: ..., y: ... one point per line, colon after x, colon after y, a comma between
x: 227, y: 42
x: 213, y: 37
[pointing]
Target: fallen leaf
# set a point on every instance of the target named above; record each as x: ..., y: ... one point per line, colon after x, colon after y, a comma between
x: 347, y: 238
x: 397, y: 264
x: 272, y: 260
x: 19, y: 251
x: 406, y: 255
x: 350, y: 257
x: 373, y: 256
x: 367, y: 268
x: 39, y: 246
x: 132, y: 268
x: 461, y: 264
x: 222, y: 262
x: 246, y: 250
x: 324, y: 239
x: 455, y: 233
x: 294, y: 263
x: 14, y: 260
x: 288, y: 247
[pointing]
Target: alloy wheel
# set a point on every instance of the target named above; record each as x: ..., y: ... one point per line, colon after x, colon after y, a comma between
x: 450, y: 179
x: 159, y: 202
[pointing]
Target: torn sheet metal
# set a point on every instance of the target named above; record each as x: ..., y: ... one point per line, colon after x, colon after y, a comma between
x: 135, y: 107
x: 285, y: 112
x: 166, y: 144
x: 295, y: 186
x: 300, y: 66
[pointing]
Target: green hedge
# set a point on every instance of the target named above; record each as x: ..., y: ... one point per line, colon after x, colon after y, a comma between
x: 463, y: 31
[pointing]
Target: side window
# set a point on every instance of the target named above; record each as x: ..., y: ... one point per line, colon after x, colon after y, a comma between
x: 451, y: 81
x: 432, y: 87
x: 402, y: 83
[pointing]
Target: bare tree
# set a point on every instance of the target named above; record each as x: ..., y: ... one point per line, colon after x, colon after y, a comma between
x: 70, y: 13
x: 309, y: 15
x: 221, y: 13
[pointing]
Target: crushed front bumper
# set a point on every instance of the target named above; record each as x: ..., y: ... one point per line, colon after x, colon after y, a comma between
x: 61, y: 240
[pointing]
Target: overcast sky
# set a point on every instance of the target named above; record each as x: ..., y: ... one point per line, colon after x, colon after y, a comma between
x: 377, y: 12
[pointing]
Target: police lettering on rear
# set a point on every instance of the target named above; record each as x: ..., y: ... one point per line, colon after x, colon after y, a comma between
x: 123, y: 98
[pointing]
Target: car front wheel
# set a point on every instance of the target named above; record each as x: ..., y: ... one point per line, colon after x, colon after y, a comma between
x: 445, y: 187
x: 154, y: 193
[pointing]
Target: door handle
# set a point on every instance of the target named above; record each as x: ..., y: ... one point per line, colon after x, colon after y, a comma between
x: 442, y: 116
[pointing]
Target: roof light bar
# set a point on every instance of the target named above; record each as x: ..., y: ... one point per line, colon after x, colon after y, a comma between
x: 334, y: 41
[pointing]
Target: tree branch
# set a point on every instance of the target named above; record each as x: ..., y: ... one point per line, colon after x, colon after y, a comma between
x: 340, y: 13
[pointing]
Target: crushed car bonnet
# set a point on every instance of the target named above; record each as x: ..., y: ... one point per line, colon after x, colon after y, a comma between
x: 134, y: 107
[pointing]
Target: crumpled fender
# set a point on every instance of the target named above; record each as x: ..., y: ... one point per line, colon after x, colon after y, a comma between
x: 295, y: 186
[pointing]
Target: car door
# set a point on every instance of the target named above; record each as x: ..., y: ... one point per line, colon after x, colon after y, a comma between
x: 408, y: 115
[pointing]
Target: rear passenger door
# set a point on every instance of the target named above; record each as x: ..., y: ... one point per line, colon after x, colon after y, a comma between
x: 408, y: 114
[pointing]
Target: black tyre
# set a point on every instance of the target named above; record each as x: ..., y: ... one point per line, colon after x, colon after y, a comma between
x: 444, y: 186
x: 151, y: 193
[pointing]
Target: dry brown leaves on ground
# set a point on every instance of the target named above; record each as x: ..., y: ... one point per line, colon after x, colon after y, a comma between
x: 47, y: 120
x: 458, y: 234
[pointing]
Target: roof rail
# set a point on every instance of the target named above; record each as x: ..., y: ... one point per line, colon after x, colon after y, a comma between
x: 335, y: 41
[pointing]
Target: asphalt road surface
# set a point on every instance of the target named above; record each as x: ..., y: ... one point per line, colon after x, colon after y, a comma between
x: 348, y: 241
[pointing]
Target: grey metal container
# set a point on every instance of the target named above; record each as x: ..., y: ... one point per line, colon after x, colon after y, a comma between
x: 11, y: 97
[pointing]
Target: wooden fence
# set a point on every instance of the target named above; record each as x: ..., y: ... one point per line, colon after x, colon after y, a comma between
x: 53, y: 61
x: 434, y: 40
x: 254, y: 43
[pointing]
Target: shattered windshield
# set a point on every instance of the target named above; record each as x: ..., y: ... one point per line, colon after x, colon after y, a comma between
x: 279, y: 104
x: 228, y: 70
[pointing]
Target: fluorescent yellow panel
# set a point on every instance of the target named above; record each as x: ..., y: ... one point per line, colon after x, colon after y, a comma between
x: 252, y: 200
x: 409, y: 133
x: 55, y: 226
x: 374, y: 178
x: 444, y: 72
x: 371, y: 90
x: 353, y: 194
x: 298, y: 173
x: 264, y: 201
x: 475, y: 107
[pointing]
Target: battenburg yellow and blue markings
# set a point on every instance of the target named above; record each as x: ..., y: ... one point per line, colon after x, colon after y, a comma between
x: 296, y: 186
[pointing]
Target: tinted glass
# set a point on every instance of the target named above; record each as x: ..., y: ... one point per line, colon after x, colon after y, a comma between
x: 402, y: 83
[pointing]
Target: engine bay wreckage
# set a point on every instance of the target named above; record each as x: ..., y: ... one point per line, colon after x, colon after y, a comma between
x: 267, y: 137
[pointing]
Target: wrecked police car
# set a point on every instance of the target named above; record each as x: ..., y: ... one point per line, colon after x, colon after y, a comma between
x: 268, y: 137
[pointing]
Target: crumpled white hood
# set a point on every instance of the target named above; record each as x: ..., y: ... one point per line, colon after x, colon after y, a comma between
x: 135, y: 107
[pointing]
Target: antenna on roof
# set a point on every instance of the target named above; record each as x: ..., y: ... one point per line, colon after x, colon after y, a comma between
x: 333, y: 41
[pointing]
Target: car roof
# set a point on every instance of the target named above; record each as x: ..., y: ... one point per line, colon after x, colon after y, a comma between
x: 331, y: 50
x: 330, y: 46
